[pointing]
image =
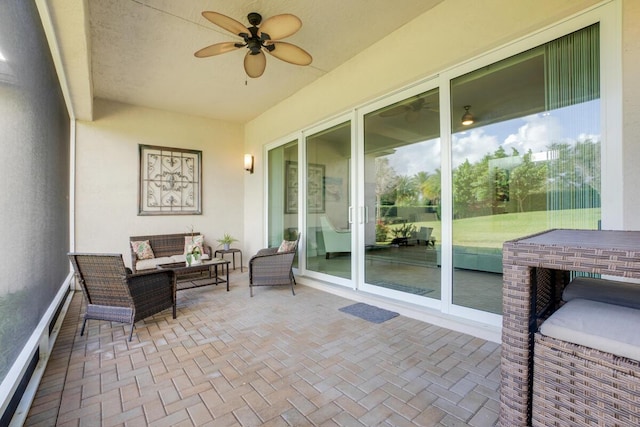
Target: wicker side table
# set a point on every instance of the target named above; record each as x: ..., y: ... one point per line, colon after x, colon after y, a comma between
x: 535, y: 270
x: 232, y: 251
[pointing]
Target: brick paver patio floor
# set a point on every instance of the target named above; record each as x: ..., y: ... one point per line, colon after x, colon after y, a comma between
x: 274, y: 359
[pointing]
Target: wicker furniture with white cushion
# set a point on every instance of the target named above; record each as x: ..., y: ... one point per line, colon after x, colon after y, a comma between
x: 164, y: 248
x: 586, y: 368
x: 535, y: 271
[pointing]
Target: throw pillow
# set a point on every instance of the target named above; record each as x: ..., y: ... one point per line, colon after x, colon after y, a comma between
x: 142, y: 249
x: 191, y: 241
x: 287, y: 246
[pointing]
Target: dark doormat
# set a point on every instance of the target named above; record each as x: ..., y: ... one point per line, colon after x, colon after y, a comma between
x: 369, y: 312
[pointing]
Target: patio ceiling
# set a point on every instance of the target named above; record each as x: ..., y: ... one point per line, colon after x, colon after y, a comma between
x: 140, y: 52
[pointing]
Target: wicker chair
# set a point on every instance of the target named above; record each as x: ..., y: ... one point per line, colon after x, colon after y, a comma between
x: 272, y: 268
x: 114, y: 295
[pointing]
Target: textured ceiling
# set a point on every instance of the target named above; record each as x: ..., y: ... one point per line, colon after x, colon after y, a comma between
x: 141, y: 51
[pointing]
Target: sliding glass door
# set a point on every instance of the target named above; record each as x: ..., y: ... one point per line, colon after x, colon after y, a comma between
x: 527, y: 160
x: 328, y: 201
x: 282, y: 214
x: 402, y: 233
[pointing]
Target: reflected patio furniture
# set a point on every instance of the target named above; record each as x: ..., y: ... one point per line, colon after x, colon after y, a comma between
x: 272, y: 268
x: 424, y: 234
x: 114, y: 294
x: 335, y: 241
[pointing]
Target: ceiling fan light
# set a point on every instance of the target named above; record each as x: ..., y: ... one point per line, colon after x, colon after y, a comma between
x: 254, y: 64
x: 467, y: 117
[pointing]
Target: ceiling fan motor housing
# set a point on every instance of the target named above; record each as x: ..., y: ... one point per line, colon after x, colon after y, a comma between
x: 255, y: 42
x: 254, y: 18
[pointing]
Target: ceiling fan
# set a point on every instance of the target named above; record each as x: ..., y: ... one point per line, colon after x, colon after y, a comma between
x: 259, y: 37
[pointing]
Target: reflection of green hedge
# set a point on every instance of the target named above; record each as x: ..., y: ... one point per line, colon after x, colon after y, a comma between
x: 15, y: 312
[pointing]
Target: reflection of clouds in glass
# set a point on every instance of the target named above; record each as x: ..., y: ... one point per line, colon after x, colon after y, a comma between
x: 535, y: 132
x: 411, y: 159
x: 538, y: 132
x: 588, y: 137
x: 472, y: 145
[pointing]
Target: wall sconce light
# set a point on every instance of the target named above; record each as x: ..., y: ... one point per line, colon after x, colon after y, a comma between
x: 248, y: 163
x: 467, y: 117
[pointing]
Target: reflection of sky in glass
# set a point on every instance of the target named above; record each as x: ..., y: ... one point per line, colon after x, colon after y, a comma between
x: 577, y: 122
x: 421, y: 157
x: 535, y: 132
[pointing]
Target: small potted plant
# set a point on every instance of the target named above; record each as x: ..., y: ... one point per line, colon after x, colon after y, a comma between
x: 193, y: 254
x: 226, y: 241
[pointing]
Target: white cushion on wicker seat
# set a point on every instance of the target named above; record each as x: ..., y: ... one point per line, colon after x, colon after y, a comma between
x: 609, y: 291
x: 606, y: 327
x: 147, y: 264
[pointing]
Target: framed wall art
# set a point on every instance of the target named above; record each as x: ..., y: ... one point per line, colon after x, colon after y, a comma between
x: 315, y: 188
x: 291, y: 187
x: 170, y: 181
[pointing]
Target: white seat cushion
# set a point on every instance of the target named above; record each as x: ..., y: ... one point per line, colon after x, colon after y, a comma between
x: 605, y: 327
x: 148, y: 264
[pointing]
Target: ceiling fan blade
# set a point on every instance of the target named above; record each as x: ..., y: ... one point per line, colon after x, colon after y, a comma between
x: 290, y: 53
x: 280, y: 26
x: 254, y: 65
x: 223, y: 21
x: 216, y: 49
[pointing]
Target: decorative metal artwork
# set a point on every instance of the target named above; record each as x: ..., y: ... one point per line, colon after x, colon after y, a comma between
x: 315, y: 188
x: 170, y: 181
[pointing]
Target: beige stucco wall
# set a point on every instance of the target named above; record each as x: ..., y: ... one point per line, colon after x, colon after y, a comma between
x: 450, y: 34
x: 106, y: 193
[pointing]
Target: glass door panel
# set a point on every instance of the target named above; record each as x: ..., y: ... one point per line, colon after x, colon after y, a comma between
x: 529, y: 161
x: 402, y: 232
x: 328, y: 201
x: 282, y: 215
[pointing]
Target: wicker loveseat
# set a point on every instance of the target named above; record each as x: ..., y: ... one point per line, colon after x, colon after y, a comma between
x: 167, y: 248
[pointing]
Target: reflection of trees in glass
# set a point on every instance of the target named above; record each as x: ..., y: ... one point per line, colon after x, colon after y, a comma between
x: 492, y: 184
x: 406, y: 191
x: 588, y: 161
x: 463, y: 195
x: 527, y: 179
x: 571, y: 171
x: 502, y: 182
x: 386, y: 179
x: 430, y: 188
x: 575, y: 167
